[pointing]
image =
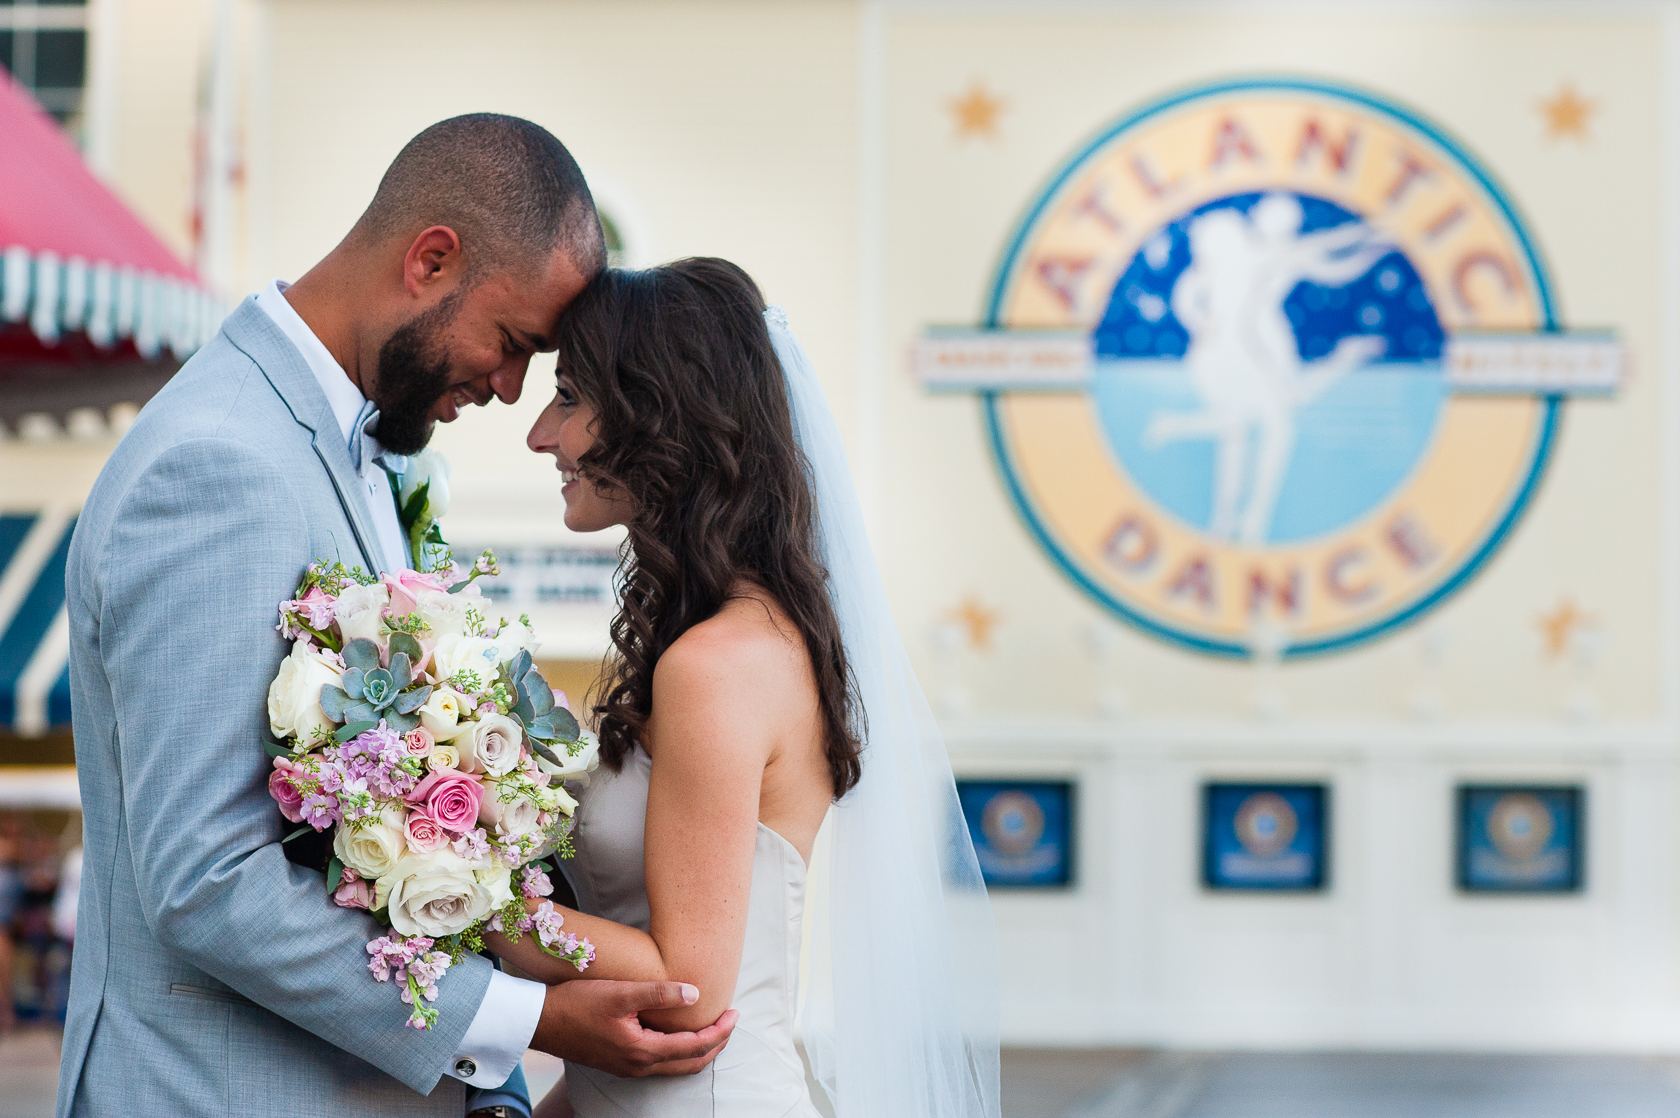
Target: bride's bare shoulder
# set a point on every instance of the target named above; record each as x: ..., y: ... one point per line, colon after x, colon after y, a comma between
x: 747, y: 648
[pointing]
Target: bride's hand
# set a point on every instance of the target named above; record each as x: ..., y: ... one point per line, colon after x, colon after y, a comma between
x: 598, y: 1025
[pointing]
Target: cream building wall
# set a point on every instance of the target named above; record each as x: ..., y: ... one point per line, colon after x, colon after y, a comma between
x: 814, y: 143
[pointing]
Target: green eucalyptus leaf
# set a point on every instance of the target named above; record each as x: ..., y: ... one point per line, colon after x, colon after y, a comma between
x: 409, y: 646
x: 275, y: 749
x: 565, y: 724
x: 299, y: 833
x: 520, y: 665
x: 355, y: 729
x: 546, y: 753
x: 335, y: 874
x: 362, y: 653
x: 537, y: 692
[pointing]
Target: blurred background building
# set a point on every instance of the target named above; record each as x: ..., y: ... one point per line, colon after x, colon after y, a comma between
x: 1266, y: 413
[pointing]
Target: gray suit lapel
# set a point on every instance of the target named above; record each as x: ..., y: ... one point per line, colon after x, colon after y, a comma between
x: 256, y: 335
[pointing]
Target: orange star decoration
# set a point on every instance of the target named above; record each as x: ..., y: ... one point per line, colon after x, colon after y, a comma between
x: 977, y: 620
x: 1566, y: 114
x: 1560, y: 626
x: 977, y: 113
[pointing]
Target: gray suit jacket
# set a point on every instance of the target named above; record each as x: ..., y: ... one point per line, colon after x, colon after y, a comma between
x: 211, y: 976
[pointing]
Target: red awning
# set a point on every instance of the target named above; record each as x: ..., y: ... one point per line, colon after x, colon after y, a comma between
x: 75, y: 259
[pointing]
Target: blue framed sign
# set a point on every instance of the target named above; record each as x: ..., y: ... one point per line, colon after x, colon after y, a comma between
x: 1265, y: 837
x: 1520, y: 838
x: 1022, y: 830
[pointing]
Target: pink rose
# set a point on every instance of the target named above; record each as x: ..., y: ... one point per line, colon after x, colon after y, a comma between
x: 353, y: 891
x: 405, y: 588
x: 451, y: 797
x: 285, y: 793
x: 419, y: 742
x: 424, y: 834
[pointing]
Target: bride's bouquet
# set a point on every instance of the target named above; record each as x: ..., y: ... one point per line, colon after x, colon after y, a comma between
x: 424, y: 739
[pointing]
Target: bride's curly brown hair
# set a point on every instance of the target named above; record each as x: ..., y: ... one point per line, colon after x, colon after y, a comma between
x: 692, y: 425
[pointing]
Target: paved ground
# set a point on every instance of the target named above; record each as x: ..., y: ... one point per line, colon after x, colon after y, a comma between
x: 1122, y: 1084
x: 1337, y: 1085
x: 28, y: 1073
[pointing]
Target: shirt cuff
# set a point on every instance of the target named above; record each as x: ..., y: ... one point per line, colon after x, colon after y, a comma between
x: 498, y: 1037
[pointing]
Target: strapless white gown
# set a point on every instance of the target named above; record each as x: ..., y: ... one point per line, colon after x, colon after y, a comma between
x: 760, y: 1073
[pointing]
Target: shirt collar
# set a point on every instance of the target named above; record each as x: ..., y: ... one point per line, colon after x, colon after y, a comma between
x: 346, y: 399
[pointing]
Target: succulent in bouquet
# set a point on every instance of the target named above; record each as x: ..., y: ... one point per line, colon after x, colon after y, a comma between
x: 425, y: 741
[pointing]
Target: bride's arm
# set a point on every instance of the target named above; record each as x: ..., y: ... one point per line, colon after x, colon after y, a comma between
x: 717, y: 698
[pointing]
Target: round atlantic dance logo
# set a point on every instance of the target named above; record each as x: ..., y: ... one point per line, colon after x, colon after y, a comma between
x: 1278, y: 281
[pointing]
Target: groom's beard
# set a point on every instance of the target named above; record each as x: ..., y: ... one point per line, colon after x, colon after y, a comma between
x: 413, y: 375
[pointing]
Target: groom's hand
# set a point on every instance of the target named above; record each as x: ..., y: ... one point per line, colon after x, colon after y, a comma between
x: 597, y: 1024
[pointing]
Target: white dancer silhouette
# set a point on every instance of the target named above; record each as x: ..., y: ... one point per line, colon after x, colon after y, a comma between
x: 1243, y: 359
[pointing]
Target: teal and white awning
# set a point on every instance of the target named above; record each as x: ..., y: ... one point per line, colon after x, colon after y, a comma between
x: 108, y: 302
x: 34, y: 625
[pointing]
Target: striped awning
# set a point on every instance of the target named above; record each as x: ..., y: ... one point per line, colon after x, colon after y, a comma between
x: 34, y: 626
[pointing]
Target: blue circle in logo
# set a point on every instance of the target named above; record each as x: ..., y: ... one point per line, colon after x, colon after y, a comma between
x: 1366, y: 423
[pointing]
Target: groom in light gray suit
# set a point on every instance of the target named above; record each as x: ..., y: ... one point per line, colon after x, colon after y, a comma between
x: 212, y: 976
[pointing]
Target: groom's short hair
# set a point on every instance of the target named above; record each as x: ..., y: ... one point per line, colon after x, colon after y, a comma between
x: 508, y: 188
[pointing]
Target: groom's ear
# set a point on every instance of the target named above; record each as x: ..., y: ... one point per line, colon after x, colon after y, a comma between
x: 434, y: 261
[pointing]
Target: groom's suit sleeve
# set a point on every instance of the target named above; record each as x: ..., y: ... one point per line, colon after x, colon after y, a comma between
x: 205, y: 544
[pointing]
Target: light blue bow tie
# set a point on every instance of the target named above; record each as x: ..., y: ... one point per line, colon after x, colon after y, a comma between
x: 365, y: 450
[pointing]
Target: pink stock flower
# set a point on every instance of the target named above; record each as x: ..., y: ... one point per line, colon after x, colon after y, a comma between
x: 353, y: 891
x: 285, y: 793
x: 450, y: 797
x: 419, y: 742
x: 321, y: 810
x: 424, y: 833
x: 473, y: 846
x: 535, y: 883
x: 315, y: 607
x: 546, y: 922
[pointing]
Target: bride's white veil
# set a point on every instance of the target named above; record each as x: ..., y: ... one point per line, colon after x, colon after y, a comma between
x: 899, y: 1000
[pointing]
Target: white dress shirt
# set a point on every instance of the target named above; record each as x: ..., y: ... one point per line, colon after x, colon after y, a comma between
x: 507, y: 1018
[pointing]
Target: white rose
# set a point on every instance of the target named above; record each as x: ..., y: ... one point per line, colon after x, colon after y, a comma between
x: 498, y: 881
x: 443, y: 757
x: 495, y: 743
x: 556, y: 798
x: 447, y: 613
x: 588, y: 756
x: 513, y: 638
x: 427, y: 467
x: 374, y: 849
x: 516, y: 817
x: 294, y: 698
x: 441, y: 714
x: 436, y: 894
x: 455, y: 653
x: 360, y: 612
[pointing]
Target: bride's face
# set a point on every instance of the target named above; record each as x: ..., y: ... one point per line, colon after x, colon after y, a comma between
x: 566, y: 429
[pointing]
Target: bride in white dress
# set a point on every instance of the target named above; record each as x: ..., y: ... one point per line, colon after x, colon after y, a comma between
x: 758, y: 688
